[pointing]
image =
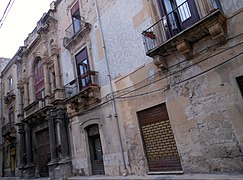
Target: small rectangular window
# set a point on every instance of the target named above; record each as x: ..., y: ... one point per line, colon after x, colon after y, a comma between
x: 10, y: 83
x: 240, y: 83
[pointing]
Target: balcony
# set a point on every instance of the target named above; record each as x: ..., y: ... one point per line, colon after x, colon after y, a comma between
x: 182, y: 27
x: 80, y: 91
x: 8, y: 130
x: 10, y: 96
x: 75, y: 32
x: 34, y: 107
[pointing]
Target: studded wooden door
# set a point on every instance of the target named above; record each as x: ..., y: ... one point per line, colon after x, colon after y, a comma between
x: 159, y: 143
x: 43, y: 143
x: 95, y: 148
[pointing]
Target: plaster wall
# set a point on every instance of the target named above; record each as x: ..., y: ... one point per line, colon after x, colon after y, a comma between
x: 109, y: 141
x: 205, y: 110
x: 3, y: 63
x: 9, y: 71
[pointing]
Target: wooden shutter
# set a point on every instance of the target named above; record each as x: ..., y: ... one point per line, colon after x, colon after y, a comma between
x: 74, y: 8
x: 159, y: 143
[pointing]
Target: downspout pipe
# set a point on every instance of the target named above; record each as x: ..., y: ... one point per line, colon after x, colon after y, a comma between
x: 124, y: 168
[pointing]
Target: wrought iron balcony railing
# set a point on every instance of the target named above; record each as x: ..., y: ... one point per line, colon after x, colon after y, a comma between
x: 176, y: 21
x: 74, y: 28
x: 8, y: 128
x: 81, y: 83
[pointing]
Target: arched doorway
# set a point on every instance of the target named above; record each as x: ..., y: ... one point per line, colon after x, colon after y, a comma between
x: 95, y: 148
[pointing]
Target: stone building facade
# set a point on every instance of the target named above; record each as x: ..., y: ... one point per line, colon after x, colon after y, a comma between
x: 131, y: 87
x: 3, y: 63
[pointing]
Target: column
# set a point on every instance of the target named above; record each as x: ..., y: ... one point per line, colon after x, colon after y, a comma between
x: 52, y: 82
x: 31, y: 89
x: 26, y: 93
x: 21, y: 145
x: 46, y: 77
x: 52, y: 136
x: 28, y: 145
x: 19, y: 99
x: 63, y: 132
x: 56, y: 66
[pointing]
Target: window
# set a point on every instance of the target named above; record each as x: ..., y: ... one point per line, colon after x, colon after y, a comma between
x: 240, y: 83
x: 39, y: 79
x: 10, y: 83
x: 76, y: 18
x: 83, y: 68
x: 184, y: 11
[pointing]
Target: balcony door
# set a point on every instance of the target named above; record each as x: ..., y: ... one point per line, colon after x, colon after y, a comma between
x: 76, y: 18
x: 177, y: 15
x: 83, y: 69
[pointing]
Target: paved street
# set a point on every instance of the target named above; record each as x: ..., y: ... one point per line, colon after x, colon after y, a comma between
x: 155, y: 177
x: 162, y: 177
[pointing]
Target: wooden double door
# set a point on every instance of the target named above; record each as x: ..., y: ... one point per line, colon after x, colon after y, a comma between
x: 43, y: 151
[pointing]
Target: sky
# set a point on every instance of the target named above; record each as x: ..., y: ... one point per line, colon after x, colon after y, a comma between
x: 21, y: 20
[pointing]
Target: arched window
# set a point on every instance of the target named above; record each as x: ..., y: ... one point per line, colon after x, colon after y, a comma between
x: 39, y: 79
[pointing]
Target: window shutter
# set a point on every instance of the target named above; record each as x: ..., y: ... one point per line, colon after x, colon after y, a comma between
x: 74, y: 8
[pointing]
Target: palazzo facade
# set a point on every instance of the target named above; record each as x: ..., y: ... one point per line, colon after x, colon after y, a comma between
x: 120, y: 87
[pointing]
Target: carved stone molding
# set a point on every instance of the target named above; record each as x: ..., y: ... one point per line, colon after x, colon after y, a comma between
x: 20, y: 85
x: 45, y: 60
x: 10, y: 96
x: 54, y: 49
x: 160, y: 62
x: 185, y: 49
x: 216, y: 31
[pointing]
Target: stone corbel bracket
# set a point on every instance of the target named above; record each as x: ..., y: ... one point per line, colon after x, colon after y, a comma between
x: 160, y: 62
x: 217, y: 32
x: 218, y: 28
x: 185, y: 49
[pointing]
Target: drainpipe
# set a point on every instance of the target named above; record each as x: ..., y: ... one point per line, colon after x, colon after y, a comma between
x: 124, y: 168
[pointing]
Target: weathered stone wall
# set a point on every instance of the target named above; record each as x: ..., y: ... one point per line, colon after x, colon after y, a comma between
x: 3, y: 63
x: 10, y: 70
x: 205, y: 110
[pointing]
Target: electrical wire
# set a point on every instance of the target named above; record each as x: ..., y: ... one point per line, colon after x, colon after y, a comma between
x: 187, y: 67
x: 107, y: 100
x: 175, y: 65
x: 187, y: 79
x: 6, y: 11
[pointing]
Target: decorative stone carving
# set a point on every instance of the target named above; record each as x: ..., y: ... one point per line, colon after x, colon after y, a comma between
x: 20, y: 85
x: 54, y: 49
x: 185, y: 49
x: 216, y: 31
x: 160, y: 62
x: 9, y: 97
